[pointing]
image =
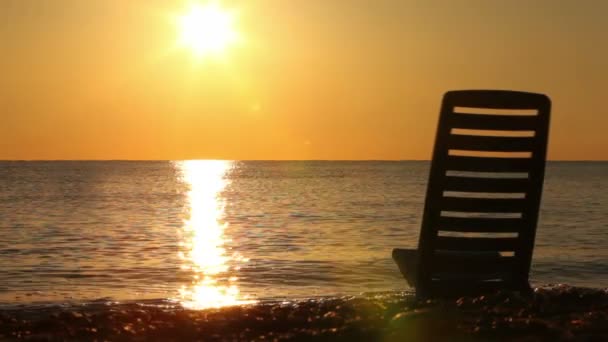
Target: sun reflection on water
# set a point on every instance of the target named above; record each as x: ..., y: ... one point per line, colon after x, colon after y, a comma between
x: 203, y: 251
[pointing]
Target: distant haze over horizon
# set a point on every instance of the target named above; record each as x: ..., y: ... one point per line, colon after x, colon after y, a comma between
x: 281, y: 80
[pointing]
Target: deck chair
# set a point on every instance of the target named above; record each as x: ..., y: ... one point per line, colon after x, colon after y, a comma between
x: 483, y: 195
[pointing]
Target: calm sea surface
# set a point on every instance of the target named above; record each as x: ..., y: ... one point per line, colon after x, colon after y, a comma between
x: 210, y: 233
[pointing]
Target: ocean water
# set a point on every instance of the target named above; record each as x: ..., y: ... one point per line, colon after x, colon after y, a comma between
x: 212, y: 233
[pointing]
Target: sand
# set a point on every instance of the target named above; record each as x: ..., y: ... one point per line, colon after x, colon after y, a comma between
x: 552, y: 313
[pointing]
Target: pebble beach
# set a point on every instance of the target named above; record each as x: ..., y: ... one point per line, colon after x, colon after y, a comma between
x: 551, y: 313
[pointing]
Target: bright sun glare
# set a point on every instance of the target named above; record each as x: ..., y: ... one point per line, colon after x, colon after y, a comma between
x: 207, y: 29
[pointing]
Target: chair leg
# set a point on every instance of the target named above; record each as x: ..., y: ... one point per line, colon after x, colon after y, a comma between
x: 407, y: 261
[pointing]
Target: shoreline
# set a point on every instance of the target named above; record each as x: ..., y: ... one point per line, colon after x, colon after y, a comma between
x: 551, y: 313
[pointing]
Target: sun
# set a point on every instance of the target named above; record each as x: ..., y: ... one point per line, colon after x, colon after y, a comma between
x: 207, y: 29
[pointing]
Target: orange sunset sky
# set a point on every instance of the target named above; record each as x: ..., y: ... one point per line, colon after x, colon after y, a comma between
x: 309, y: 79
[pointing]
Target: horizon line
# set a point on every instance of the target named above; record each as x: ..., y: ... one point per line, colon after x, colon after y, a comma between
x: 265, y: 160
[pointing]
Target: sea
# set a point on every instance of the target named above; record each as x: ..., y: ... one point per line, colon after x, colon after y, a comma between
x: 210, y: 233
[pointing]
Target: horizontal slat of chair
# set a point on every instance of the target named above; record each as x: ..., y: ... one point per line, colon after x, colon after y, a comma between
x: 475, y: 184
x: 493, y: 122
x: 479, y: 225
x: 483, y: 205
x: 495, y: 99
x: 487, y: 164
x: 452, y: 263
x: 487, y: 143
x: 449, y: 243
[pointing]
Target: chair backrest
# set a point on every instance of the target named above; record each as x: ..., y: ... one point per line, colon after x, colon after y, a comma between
x: 484, y: 190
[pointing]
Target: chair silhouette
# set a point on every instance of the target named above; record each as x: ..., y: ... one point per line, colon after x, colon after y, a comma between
x: 483, y: 195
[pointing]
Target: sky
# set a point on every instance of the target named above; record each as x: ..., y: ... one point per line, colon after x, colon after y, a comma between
x: 314, y: 79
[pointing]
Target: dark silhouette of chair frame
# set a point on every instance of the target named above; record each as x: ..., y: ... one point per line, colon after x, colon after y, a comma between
x: 447, y: 265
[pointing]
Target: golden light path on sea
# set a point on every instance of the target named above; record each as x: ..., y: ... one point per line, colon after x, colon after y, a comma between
x: 203, y: 251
